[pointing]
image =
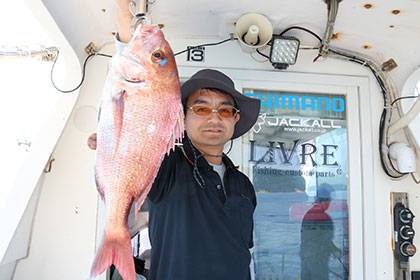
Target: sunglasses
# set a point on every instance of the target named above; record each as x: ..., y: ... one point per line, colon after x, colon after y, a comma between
x: 225, y: 112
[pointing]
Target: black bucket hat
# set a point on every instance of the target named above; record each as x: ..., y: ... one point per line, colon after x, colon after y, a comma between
x: 249, y: 107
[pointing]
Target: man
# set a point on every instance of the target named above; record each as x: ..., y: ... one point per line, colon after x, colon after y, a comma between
x: 200, y: 206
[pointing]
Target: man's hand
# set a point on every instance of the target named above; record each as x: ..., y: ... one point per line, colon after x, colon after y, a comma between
x: 91, y: 142
x: 124, y: 18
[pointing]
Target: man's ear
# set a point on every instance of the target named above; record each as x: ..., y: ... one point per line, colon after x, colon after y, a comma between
x: 237, y: 117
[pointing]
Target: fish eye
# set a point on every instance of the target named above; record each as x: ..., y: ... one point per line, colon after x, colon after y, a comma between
x: 157, y: 56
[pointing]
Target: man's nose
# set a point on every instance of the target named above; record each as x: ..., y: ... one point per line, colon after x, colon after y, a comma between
x: 214, y: 115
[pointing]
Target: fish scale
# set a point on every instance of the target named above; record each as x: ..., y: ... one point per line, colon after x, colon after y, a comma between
x: 141, y: 120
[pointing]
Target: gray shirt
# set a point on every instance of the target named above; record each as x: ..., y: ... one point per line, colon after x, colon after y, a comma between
x: 220, y: 169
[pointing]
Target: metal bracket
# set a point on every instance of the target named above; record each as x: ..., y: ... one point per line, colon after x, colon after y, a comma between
x: 389, y: 65
x: 48, y: 166
x: 139, y: 9
x: 91, y: 48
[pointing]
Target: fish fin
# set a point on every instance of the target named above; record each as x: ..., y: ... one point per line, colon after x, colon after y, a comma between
x: 171, y: 144
x: 142, y: 199
x: 117, y: 251
x: 99, y: 187
x: 118, y: 111
x: 180, y: 125
x: 177, y: 132
x: 138, y: 205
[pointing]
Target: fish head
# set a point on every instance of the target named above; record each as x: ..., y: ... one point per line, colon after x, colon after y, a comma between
x: 149, y: 50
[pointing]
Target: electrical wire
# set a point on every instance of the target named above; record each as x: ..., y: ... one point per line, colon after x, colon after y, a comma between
x: 259, y: 61
x: 303, y: 29
x: 291, y: 28
x: 83, y: 72
x: 308, y: 48
x: 417, y: 181
x: 365, y: 63
x: 404, y: 97
x: 206, y: 45
x: 107, y: 55
x: 178, y: 53
x: 260, y: 53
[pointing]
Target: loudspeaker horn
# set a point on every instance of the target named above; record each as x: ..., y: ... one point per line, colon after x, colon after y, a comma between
x: 253, y: 31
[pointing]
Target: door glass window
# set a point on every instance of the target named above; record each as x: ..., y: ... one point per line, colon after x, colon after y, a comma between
x: 297, y: 161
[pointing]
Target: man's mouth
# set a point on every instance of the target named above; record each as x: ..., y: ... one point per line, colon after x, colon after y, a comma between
x: 213, y: 130
x: 134, y: 81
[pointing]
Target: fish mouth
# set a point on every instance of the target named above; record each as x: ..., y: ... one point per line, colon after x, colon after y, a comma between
x: 150, y: 28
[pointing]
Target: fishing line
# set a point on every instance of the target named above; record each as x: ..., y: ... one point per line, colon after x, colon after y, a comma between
x: 230, y: 147
x: 196, y: 173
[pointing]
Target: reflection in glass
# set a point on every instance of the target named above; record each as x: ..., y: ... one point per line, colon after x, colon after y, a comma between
x: 316, y: 238
x: 298, y: 165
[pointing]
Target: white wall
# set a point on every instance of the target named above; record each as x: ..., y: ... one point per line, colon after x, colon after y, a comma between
x: 24, y: 175
x: 18, y: 247
x: 63, y: 238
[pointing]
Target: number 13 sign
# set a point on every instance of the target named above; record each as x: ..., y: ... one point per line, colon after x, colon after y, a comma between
x: 195, y: 54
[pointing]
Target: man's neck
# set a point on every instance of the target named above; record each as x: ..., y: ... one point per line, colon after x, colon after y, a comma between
x: 213, y: 154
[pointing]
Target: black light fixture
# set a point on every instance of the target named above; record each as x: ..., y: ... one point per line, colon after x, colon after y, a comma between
x: 284, y: 51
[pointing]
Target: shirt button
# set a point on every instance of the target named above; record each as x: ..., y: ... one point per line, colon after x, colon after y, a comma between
x: 219, y: 187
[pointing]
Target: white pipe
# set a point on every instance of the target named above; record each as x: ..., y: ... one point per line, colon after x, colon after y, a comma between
x: 141, y: 8
x: 406, y: 119
x: 332, y: 6
x: 44, y: 54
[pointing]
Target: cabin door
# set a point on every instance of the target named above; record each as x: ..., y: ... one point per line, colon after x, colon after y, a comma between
x: 304, y: 158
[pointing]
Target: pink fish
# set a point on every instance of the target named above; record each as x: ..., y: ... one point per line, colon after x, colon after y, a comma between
x: 141, y: 120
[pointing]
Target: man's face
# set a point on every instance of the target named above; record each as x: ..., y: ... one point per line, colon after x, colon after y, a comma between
x: 211, y: 130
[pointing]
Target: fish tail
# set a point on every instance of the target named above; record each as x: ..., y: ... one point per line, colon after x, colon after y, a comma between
x: 117, y: 251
